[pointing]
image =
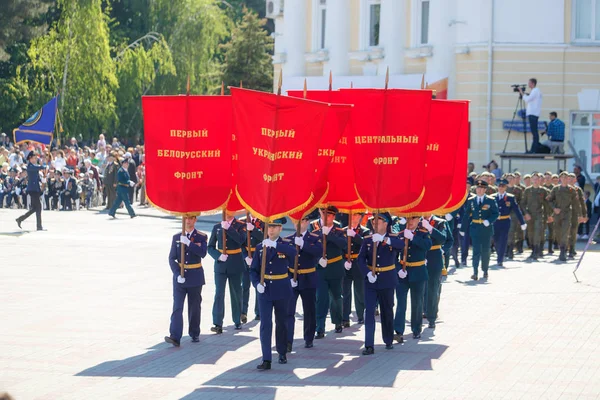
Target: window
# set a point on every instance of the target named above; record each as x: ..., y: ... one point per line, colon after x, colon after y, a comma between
x: 374, y: 22
x: 424, y: 22
x: 586, y: 20
x: 585, y: 138
x: 320, y: 18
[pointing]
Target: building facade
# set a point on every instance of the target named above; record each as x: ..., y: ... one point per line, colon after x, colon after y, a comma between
x: 465, y: 49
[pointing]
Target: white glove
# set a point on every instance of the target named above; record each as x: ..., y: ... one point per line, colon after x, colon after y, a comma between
x: 449, y: 217
x: 260, y: 288
x: 348, y: 265
x: 372, y: 278
x: 462, y: 233
x: 524, y: 227
x: 350, y: 232
x: 269, y: 243
x: 402, y: 221
x: 388, y: 241
x: 323, y: 262
x: 180, y: 279
x: 184, y: 239
x: 402, y: 274
x: 248, y: 261
x: 294, y: 283
x: 326, y: 230
x: 18, y: 191
x: 43, y: 180
x: 250, y: 227
x: 225, y: 225
x: 427, y: 225
x: 131, y: 183
x: 408, y: 234
x: 459, y: 226
x: 377, y: 238
x: 298, y: 241
x: 486, y: 223
x: 223, y: 257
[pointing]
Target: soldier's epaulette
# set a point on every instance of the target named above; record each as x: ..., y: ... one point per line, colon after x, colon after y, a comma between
x: 286, y: 239
x: 201, y: 233
x: 510, y: 195
x: 339, y: 229
x: 337, y: 223
x: 368, y: 236
x: 471, y: 196
x: 314, y: 234
x: 391, y: 234
x: 490, y: 196
x: 423, y: 230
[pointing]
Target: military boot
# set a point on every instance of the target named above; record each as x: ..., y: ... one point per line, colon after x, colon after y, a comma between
x: 563, y: 254
x: 550, y: 247
x: 520, y: 247
x: 510, y: 254
x: 572, y: 252
x: 533, y: 255
x: 540, y: 250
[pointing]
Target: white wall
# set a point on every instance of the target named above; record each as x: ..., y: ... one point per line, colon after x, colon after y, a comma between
x: 529, y: 21
x: 474, y: 17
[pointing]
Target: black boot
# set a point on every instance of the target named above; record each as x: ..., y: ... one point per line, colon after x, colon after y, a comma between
x: 572, y: 252
x: 540, y: 250
x: 563, y: 254
x: 520, y: 247
x: 510, y: 254
x: 533, y: 255
x: 550, y: 247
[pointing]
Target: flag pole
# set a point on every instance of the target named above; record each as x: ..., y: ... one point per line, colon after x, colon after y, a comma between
x: 224, y: 212
x: 182, y: 255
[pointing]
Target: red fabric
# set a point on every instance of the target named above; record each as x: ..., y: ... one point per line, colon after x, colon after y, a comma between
x: 336, y: 123
x: 388, y: 141
x: 445, y: 124
x: 458, y: 190
x: 199, y: 128
x: 234, y: 204
x: 278, y: 139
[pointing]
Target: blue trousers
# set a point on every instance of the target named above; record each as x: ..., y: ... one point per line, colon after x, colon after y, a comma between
x: 122, y: 197
x: 433, y: 290
x: 266, y: 308
x: 464, y: 246
x: 358, y: 282
x: 482, y: 249
x: 416, y: 305
x: 329, y: 295
x: 246, y: 294
x: 235, y: 295
x: 501, y: 229
x: 194, y: 295
x: 309, y: 308
x: 386, y: 312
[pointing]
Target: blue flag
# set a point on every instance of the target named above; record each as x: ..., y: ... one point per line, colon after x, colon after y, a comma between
x: 39, y: 127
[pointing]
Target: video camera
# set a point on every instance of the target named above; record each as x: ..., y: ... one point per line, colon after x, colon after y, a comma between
x: 516, y: 87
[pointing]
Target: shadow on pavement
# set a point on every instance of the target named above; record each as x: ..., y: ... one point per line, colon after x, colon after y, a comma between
x: 165, y: 361
x: 204, y: 393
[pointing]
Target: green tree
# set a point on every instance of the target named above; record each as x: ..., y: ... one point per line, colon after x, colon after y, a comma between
x: 74, y: 58
x: 247, y: 54
x: 19, y: 22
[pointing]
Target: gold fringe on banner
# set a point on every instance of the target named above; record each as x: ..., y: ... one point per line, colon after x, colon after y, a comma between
x: 266, y: 219
x: 185, y: 214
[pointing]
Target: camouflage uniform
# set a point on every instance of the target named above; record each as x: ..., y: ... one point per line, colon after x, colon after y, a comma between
x: 564, y: 198
x: 535, y: 204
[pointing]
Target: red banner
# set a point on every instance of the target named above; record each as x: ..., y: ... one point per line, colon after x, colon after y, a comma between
x: 234, y: 204
x: 389, y: 136
x: 277, y: 144
x: 188, y: 152
x: 335, y: 126
x: 458, y: 192
x: 445, y: 124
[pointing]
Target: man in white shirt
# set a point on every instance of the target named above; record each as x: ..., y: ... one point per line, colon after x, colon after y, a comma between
x: 534, y: 108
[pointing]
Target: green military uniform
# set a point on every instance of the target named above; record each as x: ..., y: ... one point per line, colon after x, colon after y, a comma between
x: 563, y: 198
x: 535, y: 204
x: 551, y: 232
x: 581, y: 212
x: 480, y: 215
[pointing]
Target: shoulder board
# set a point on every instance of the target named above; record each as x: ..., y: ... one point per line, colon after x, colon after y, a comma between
x: 471, y: 196
x: 314, y: 234
x: 423, y: 230
x: 439, y: 220
x: 201, y: 233
x: 391, y: 234
x: 339, y: 229
x: 510, y: 195
x: 286, y: 239
x: 491, y: 197
x: 368, y: 236
x: 336, y: 223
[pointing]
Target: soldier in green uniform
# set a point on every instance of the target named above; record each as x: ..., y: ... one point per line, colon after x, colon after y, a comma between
x: 551, y: 235
x: 480, y: 214
x: 536, y: 209
x: 578, y: 218
x: 564, y: 201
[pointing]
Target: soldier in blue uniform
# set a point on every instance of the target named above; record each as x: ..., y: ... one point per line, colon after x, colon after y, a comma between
x: 380, y: 281
x: 465, y: 237
x: 123, y: 184
x: 311, y: 249
x: 330, y: 270
x: 229, y: 266
x: 507, y: 204
x: 413, y: 278
x: 190, y: 284
x: 437, y: 229
x: 33, y: 190
x: 276, y: 291
x: 256, y: 228
x: 450, y: 248
x: 480, y: 215
x: 353, y: 275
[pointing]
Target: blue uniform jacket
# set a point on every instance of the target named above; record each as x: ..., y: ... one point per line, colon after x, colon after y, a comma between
x: 279, y: 261
x: 33, y: 177
x: 506, y: 206
x: 308, y: 258
x: 475, y: 213
x: 435, y: 255
x: 355, y: 246
x: 256, y: 235
x: 337, y: 245
x: 387, y: 255
x: 236, y: 240
x: 123, y: 177
x: 194, y: 253
x: 416, y: 253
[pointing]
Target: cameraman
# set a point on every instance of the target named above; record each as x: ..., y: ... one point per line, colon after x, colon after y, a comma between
x: 556, y: 134
x: 534, y: 108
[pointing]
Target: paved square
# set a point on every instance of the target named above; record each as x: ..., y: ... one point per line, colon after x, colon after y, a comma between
x: 85, y: 306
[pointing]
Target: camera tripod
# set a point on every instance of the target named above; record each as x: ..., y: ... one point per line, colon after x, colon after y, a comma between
x: 520, y: 106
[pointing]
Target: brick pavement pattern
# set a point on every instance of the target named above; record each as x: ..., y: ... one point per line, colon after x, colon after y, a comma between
x: 85, y: 306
